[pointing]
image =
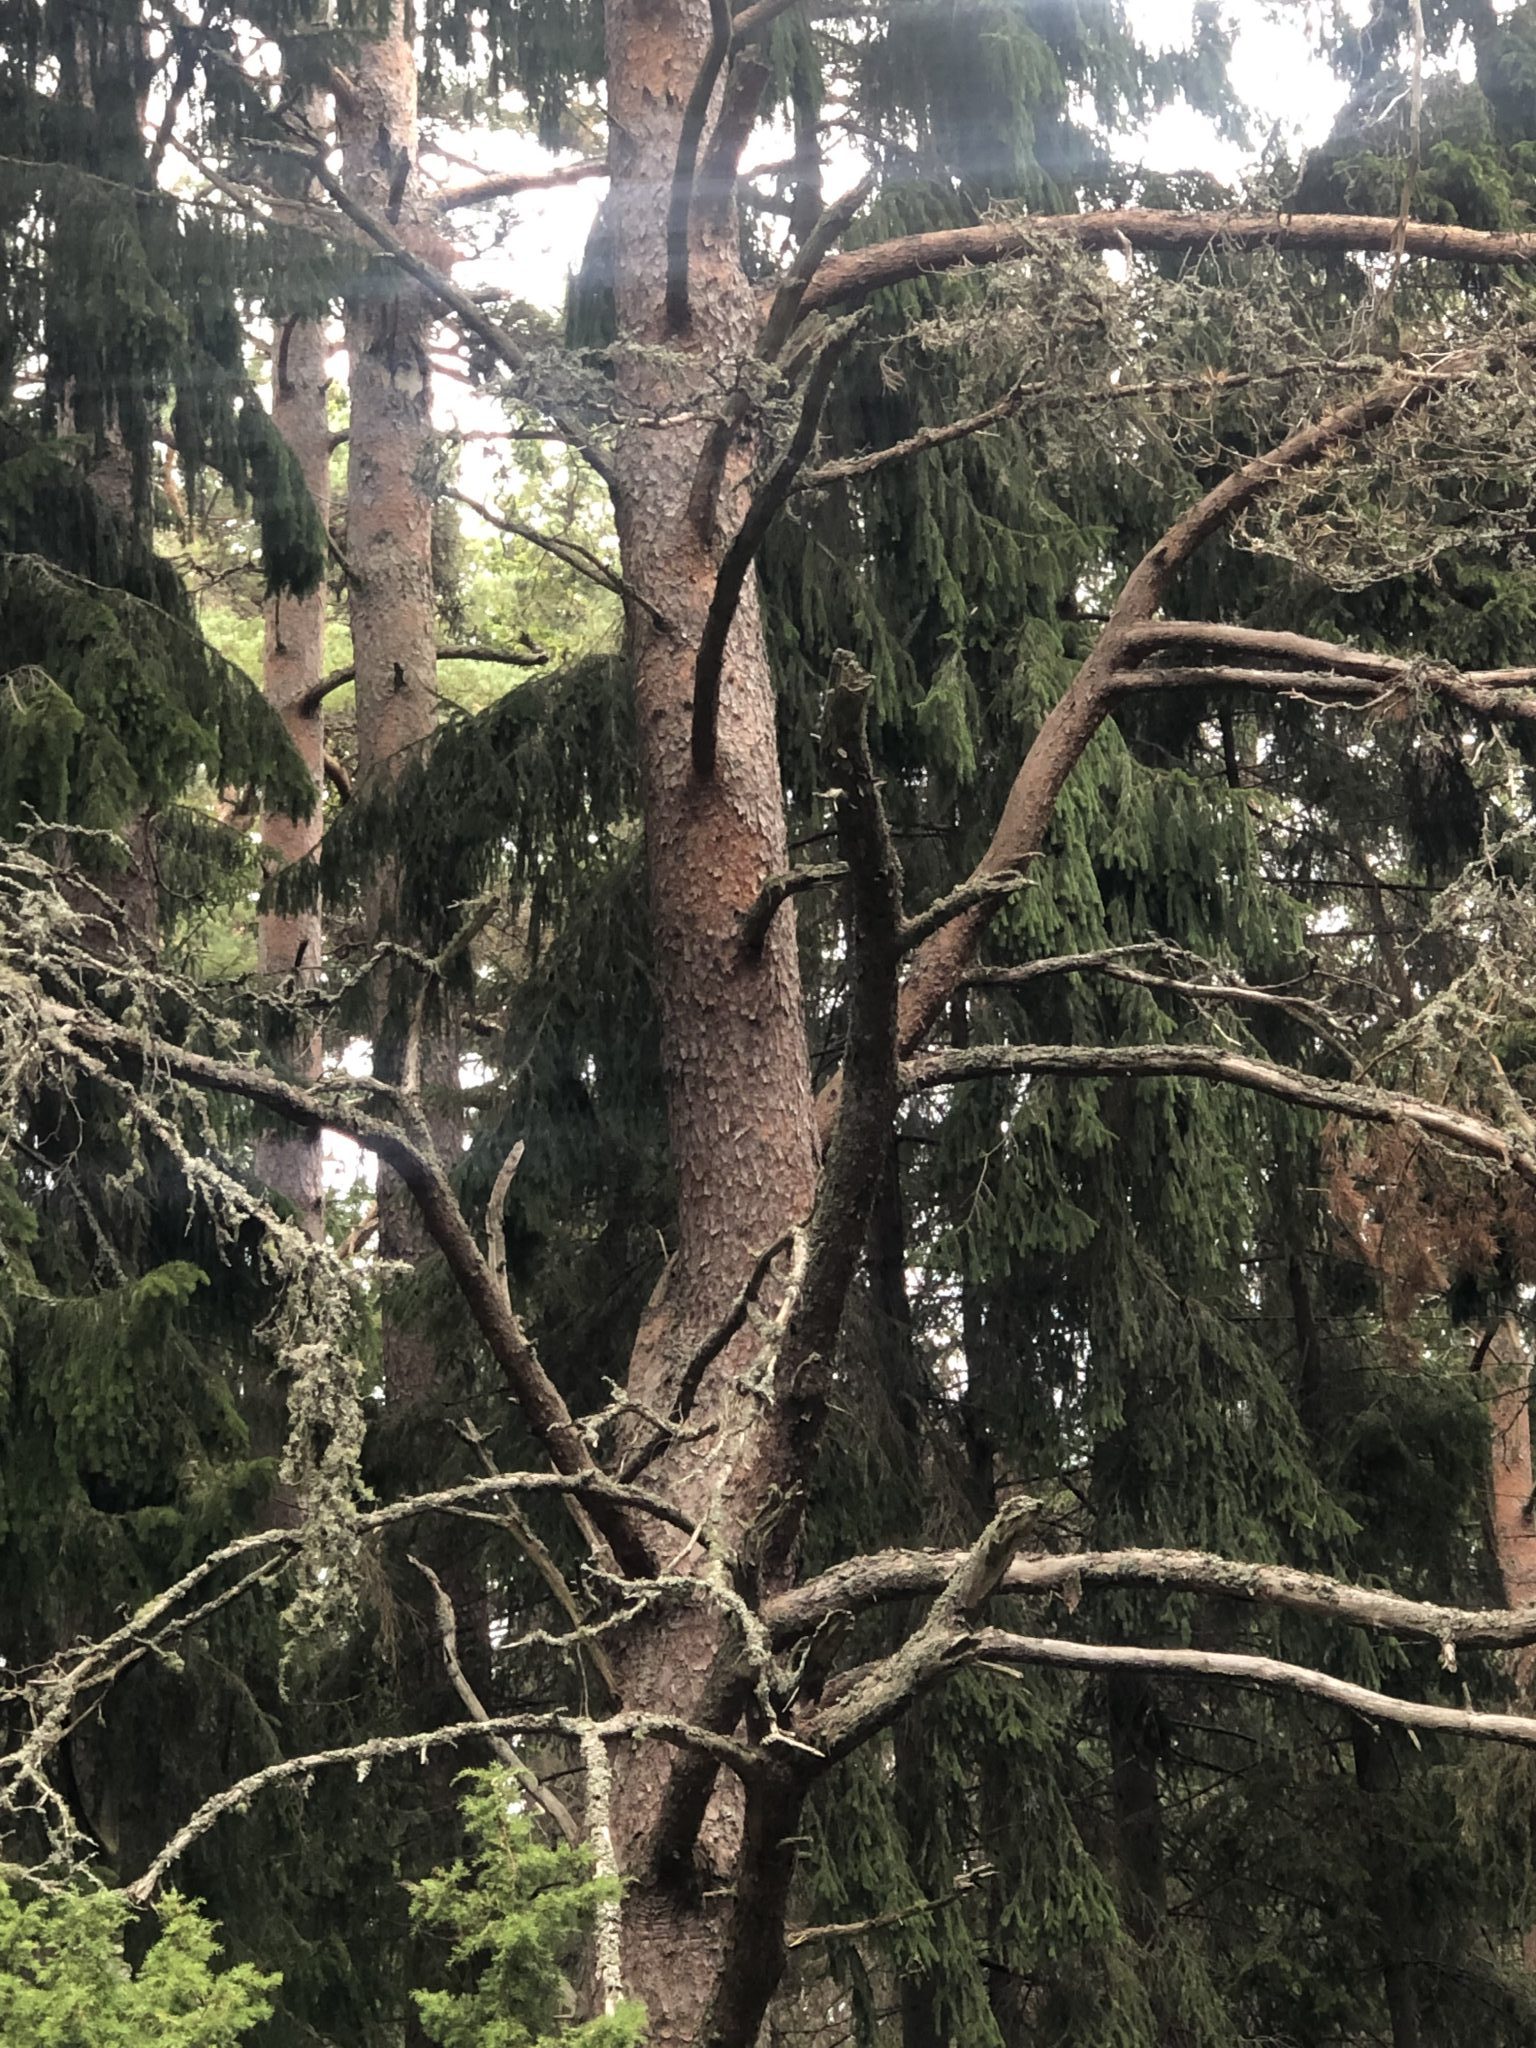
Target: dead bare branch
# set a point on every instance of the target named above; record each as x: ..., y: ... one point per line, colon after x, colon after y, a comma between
x: 511, y: 185
x: 863, y: 1582
x: 736, y: 1756
x: 1465, y: 1132
x: 680, y: 205
x: 767, y: 501
x: 853, y: 276
x: 448, y: 1630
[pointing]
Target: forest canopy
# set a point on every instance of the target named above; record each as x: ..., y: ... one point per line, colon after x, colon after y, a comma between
x: 767, y: 1024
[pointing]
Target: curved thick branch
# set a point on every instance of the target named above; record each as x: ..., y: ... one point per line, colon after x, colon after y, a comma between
x: 998, y: 1647
x: 760, y: 15
x: 338, y: 775
x: 680, y: 204
x: 1455, y: 1127
x: 848, y: 278
x: 776, y: 892
x: 865, y: 1582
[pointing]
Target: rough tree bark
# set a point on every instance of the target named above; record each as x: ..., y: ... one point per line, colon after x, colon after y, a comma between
x: 1506, y: 1365
x: 1506, y: 1368
x: 733, y: 1042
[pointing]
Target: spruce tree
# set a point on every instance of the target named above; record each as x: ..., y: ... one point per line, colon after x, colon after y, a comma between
x: 933, y: 1307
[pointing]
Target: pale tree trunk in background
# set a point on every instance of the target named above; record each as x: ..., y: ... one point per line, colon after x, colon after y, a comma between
x: 288, y: 945
x: 391, y: 600
x: 733, y: 1040
x: 391, y: 458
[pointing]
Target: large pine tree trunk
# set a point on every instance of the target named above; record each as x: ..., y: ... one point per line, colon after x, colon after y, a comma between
x: 733, y: 1045
x: 1506, y: 1365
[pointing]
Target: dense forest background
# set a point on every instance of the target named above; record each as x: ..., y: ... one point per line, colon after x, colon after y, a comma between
x: 961, y: 1446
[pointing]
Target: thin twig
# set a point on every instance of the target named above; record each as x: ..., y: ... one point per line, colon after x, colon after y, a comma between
x: 777, y: 891
x: 512, y: 184
x: 501, y: 1749
x: 570, y: 552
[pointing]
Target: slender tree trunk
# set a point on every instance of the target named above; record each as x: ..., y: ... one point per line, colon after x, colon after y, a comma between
x: 391, y: 451
x: 391, y: 466
x: 288, y: 945
x: 733, y: 1044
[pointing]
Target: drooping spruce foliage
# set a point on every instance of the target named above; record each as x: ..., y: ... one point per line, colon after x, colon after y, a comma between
x: 1091, y: 1293
x: 122, y: 354
x: 1150, y: 1305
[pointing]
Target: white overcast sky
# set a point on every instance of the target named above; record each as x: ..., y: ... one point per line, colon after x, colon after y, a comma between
x: 1276, y: 70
